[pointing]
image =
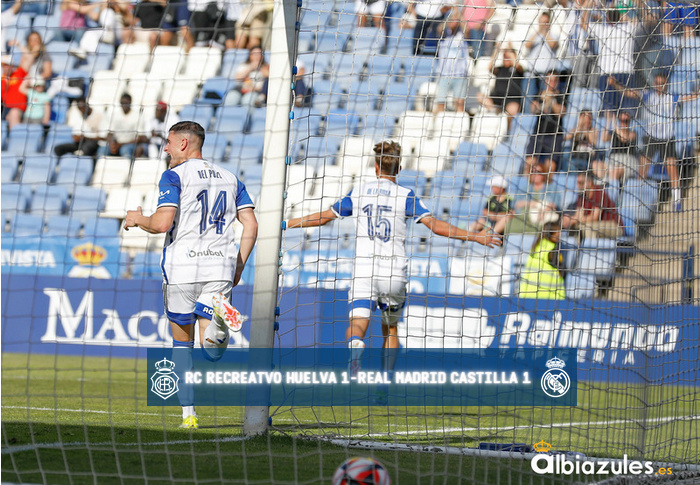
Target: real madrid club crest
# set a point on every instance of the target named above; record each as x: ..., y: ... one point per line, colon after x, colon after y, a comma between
x: 164, y: 381
x: 555, y: 382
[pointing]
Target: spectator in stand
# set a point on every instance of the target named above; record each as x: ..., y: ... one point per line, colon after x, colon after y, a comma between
x: 453, y: 69
x: 9, y: 18
x: 41, y: 61
x: 623, y: 158
x: 498, y: 209
x: 303, y: 94
x: 659, y: 109
x: 548, y: 135
x: 86, y: 124
x: 538, y: 205
x: 108, y: 19
x: 150, y: 17
x: 614, y: 37
x: 545, y: 269
x: 430, y: 17
x: 38, y: 102
x: 541, y: 56
x: 72, y: 24
x: 176, y: 17
x: 507, y: 93
x: 226, y: 35
x: 14, y: 102
x: 578, y: 58
x: 120, y: 129
x: 155, y: 131
x: 584, y: 140
x: 205, y: 19
x: 595, y: 215
x: 254, y: 25
x: 476, y: 14
x: 30, y: 7
x: 250, y: 78
x: 373, y: 10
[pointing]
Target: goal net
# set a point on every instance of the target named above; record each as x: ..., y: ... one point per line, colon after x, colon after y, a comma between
x: 565, y: 132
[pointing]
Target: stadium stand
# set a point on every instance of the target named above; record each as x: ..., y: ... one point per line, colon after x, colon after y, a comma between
x: 368, y: 92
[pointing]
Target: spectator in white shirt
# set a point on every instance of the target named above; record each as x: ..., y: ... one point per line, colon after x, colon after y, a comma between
x: 155, y: 131
x: 614, y: 38
x: 659, y: 109
x: 120, y: 129
x: 430, y: 16
x: 86, y: 124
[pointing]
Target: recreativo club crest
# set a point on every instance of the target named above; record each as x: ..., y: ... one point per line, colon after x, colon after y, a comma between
x: 555, y: 382
x: 164, y: 381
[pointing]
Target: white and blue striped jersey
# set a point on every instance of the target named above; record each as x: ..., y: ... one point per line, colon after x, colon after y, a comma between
x: 381, y: 209
x: 201, y: 246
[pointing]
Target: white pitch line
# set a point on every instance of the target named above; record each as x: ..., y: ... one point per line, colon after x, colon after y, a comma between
x: 537, y: 426
x: 91, y: 411
x: 112, y: 444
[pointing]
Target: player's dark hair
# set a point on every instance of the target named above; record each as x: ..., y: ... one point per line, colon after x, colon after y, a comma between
x: 190, y: 127
x: 388, y: 157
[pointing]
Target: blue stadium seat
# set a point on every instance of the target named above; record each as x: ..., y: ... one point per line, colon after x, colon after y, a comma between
x: 61, y: 60
x: 99, y: 61
x: 27, y: 225
x: 215, y: 151
x: 505, y: 161
x: 244, y: 155
x: 46, y: 25
x: 582, y: 98
x: 580, y: 286
x: 48, y: 200
x: 63, y: 225
x: 9, y: 165
x: 15, y: 197
x: 340, y: 122
x: 639, y: 200
x: 214, y: 90
x: 146, y: 265
x: 231, y: 60
x: 87, y: 202
x: 597, y: 256
x: 199, y: 113
x: 100, y: 227
x: 58, y: 133
x: 74, y: 170
x: 59, y: 110
x: 38, y: 169
x: 230, y: 121
x: 25, y: 139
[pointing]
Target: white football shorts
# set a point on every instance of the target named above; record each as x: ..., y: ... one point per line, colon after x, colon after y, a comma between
x: 185, y: 302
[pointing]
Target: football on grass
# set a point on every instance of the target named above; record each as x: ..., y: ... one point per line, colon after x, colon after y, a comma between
x: 361, y: 471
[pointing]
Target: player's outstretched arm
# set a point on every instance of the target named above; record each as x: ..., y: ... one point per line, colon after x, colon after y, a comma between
x: 250, y: 234
x: 312, y: 220
x: 442, y: 228
x: 159, y: 222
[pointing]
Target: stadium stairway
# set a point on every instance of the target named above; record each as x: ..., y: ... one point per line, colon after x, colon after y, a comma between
x: 654, y: 270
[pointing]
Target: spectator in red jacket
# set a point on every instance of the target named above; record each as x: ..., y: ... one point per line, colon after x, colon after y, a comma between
x: 14, y: 102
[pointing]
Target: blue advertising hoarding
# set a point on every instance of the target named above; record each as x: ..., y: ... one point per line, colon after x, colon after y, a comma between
x: 121, y: 318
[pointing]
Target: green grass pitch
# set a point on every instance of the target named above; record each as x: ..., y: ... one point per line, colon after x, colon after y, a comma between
x: 84, y: 420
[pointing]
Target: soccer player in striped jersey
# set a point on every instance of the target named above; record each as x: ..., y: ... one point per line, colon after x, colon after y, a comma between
x: 382, y: 209
x: 201, y: 263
